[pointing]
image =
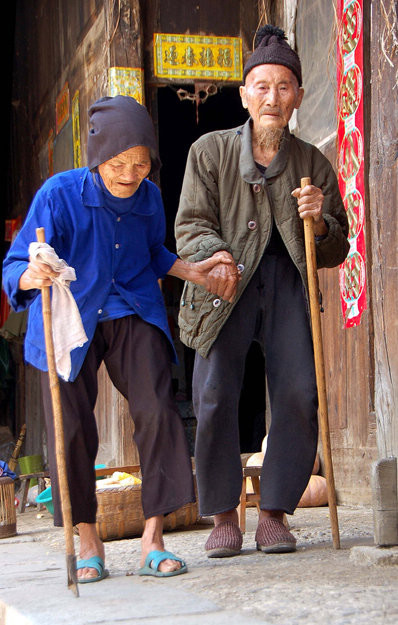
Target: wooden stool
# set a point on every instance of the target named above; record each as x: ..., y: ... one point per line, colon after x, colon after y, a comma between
x: 25, y: 480
x: 245, y: 497
x: 254, y: 473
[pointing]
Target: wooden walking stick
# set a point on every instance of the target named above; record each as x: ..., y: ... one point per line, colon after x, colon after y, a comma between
x: 58, y: 434
x: 313, y: 289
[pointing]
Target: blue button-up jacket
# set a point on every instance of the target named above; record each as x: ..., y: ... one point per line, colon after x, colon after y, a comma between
x: 104, y: 248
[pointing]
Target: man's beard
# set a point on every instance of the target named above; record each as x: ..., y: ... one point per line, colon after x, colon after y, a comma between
x: 269, y: 138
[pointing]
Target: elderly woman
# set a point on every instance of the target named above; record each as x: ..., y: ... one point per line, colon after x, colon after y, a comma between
x: 106, y: 221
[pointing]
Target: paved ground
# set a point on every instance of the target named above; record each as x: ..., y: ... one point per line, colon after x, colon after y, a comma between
x: 356, y: 585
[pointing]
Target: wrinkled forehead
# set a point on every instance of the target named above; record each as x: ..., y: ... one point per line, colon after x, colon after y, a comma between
x: 136, y: 153
x: 268, y: 72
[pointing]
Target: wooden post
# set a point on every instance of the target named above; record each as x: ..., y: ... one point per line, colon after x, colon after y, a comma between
x: 383, y: 268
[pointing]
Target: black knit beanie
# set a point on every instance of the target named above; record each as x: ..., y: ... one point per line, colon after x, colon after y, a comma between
x: 271, y: 47
x: 117, y: 124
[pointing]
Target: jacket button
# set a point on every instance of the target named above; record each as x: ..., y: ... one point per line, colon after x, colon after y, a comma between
x: 216, y: 302
x: 257, y: 188
x: 100, y: 311
x: 240, y: 268
x: 252, y: 225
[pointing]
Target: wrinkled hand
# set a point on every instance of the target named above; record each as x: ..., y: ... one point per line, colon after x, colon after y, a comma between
x: 222, y: 275
x: 218, y: 274
x: 310, y: 202
x: 36, y: 276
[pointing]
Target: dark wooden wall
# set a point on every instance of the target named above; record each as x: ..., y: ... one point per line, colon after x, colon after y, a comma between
x: 51, y: 48
x: 59, y: 42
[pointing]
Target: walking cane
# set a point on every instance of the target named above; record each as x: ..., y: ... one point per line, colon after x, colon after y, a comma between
x: 58, y: 434
x: 320, y: 368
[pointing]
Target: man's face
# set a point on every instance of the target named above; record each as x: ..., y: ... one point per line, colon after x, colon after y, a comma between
x: 271, y: 93
x: 123, y: 174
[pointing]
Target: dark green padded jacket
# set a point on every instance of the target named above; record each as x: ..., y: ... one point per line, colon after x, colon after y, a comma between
x: 226, y: 204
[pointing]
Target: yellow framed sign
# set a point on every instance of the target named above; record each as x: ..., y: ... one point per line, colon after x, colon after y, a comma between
x: 126, y: 81
x: 198, y: 57
x: 77, y: 152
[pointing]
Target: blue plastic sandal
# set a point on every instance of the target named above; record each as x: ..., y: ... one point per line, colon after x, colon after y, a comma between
x: 154, y: 558
x: 96, y: 562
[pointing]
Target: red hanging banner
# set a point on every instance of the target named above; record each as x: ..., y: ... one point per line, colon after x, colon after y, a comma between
x: 350, y: 134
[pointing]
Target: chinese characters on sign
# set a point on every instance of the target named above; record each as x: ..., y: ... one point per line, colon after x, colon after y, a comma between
x: 351, y: 162
x: 196, y: 56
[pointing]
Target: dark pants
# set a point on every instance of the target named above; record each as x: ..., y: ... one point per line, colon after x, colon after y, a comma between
x: 272, y: 311
x: 137, y: 359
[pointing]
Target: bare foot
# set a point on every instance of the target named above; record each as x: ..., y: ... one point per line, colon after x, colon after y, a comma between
x: 90, y: 545
x: 152, y: 539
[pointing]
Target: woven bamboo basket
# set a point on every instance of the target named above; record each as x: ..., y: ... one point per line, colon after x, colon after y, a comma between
x: 8, y: 522
x: 120, y: 515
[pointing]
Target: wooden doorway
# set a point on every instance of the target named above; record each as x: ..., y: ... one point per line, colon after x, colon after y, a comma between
x: 184, y: 116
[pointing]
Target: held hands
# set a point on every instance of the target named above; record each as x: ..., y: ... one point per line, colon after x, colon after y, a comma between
x: 310, y: 202
x: 218, y: 274
x: 36, y: 276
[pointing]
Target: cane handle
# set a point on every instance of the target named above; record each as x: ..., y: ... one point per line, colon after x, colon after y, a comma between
x: 40, y: 235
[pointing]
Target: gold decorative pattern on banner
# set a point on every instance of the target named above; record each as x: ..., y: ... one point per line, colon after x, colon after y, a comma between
x: 77, y: 153
x: 354, y: 276
x: 355, y: 208
x: 126, y: 81
x: 351, y: 27
x: 350, y: 92
x: 197, y: 56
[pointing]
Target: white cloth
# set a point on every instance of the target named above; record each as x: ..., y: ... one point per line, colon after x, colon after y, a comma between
x: 67, y: 327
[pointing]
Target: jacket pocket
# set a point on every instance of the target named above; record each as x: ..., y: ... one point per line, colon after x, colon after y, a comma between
x: 196, y: 304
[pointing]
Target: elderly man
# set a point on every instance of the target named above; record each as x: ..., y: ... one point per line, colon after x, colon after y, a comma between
x: 106, y: 221
x: 241, y: 194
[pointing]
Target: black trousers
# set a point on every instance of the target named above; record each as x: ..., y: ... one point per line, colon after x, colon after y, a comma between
x: 272, y: 311
x: 137, y: 358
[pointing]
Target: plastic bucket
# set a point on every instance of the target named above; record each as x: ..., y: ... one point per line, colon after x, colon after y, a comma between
x: 46, y: 498
x: 31, y: 464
